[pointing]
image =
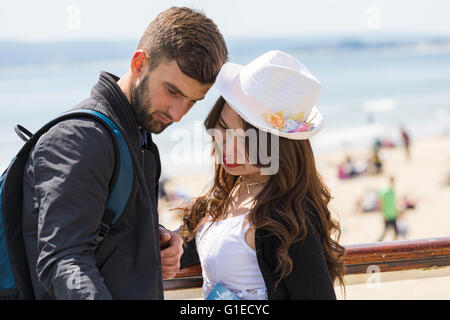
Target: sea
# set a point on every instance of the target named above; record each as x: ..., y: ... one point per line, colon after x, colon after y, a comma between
x: 371, y: 87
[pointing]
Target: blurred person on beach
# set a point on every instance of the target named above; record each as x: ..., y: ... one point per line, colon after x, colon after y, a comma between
x: 378, y: 143
x: 409, y: 203
x: 348, y: 169
x: 368, y: 202
x: 389, y: 209
x: 406, y: 141
x: 67, y: 177
x: 376, y: 163
x: 388, y: 143
x: 402, y: 224
x: 263, y: 234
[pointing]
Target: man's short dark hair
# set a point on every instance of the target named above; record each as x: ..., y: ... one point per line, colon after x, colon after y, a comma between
x: 190, y: 38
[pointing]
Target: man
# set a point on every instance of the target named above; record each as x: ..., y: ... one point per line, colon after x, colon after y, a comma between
x: 69, y: 171
x: 406, y: 141
x: 389, y: 209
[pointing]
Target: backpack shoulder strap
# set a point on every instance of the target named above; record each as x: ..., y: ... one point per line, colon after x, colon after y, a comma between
x: 122, y: 182
x: 15, y: 279
x: 123, y: 176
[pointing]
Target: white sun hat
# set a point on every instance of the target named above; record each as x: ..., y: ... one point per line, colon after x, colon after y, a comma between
x: 275, y: 93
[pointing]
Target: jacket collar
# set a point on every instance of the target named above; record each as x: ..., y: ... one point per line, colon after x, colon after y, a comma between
x: 114, y: 100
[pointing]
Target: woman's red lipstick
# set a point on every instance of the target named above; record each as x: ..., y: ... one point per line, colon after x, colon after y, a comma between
x: 229, y: 165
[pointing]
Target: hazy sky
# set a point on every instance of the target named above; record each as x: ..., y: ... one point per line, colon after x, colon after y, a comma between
x: 126, y: 19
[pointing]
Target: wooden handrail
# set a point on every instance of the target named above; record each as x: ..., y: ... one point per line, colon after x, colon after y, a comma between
x: 402, y: 255
x: 398, y: 255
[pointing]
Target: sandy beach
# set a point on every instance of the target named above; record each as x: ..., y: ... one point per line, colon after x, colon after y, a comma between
x: 422, y: 178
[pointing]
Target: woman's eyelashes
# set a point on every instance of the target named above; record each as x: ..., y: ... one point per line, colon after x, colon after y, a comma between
x: 222, y: 125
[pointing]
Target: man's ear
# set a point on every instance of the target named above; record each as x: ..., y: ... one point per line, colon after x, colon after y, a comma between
x: 139, y: 62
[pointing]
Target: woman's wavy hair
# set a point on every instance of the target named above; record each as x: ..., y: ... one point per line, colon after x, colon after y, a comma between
x: 296, y: 194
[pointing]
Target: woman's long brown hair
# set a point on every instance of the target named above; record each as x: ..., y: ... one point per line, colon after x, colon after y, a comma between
x: 296, y: 194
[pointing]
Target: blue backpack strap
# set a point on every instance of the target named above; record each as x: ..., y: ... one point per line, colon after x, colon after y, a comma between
x: 15, y: 279
x: 123, y: 180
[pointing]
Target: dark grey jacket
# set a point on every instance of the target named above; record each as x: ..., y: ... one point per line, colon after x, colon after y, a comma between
x: 66, y: 184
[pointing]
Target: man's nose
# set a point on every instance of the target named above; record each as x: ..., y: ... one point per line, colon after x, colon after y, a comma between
x: 177, y: 111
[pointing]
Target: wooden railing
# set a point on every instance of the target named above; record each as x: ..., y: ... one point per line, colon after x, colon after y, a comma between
x: 396, y: 260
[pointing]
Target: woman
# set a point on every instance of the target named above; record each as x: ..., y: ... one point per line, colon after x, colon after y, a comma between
x: 264, y: 233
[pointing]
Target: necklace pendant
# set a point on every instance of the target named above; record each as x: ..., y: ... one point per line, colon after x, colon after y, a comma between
x: 253, y: 185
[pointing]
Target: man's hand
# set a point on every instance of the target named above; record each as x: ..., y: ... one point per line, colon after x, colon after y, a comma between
x: 171, y: 245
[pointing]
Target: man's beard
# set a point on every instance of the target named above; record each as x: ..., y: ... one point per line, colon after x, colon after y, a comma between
x: 141, y: 104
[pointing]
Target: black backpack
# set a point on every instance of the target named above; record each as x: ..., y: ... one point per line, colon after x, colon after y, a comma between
x: 15, y: 282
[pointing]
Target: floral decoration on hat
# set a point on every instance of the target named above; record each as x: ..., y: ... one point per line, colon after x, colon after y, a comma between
x: 289, y: 124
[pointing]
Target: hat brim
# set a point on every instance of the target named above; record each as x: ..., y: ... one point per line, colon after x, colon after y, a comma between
x: 228, y: 75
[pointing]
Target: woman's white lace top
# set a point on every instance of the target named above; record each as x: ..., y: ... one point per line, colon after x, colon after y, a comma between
x: 226, y: 258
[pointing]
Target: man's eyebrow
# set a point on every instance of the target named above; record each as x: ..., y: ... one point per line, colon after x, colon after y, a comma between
x: 175, y: 88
